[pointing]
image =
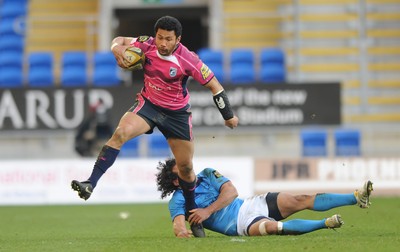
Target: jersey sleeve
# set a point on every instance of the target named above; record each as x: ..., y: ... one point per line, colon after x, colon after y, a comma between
x: 176, y: 205
x: 194, y: 67
x: 215, y: 178
x: 142, y: 42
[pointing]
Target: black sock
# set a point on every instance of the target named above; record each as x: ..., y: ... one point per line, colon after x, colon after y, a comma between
x: 188, y: 192
x: 104, y: 161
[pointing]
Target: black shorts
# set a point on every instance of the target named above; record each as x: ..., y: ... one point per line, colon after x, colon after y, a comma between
x: 171, y: 123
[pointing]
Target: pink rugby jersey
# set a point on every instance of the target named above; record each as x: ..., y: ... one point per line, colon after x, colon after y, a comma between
x: 165, y: 77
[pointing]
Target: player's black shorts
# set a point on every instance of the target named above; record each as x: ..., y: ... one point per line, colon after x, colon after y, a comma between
x: 272, y: 202
x: 171, y: 123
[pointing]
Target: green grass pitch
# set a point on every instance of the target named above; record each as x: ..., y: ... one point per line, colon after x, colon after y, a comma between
x: 148, y: 228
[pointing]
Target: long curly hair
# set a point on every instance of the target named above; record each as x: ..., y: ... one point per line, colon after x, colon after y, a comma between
x: 165, y: 177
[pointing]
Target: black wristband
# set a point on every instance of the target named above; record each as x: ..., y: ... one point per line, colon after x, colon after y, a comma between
x: 222, y: 102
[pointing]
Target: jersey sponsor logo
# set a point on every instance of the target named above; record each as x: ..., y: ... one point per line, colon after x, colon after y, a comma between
x: 220, y: 102
x: 205, y: 71
x: 173, y: 71
x: 217, y: 174
x: 155, y: 87
x: 142, y: 39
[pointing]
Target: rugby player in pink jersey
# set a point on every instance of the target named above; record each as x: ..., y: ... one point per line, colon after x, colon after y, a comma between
x: 162, y: 103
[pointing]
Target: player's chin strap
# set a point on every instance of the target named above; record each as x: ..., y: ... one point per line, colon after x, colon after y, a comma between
x: 222, y: 102
x: 263, y: 228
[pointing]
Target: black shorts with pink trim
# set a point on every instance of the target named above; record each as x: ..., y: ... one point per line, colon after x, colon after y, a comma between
x: 171, y: 123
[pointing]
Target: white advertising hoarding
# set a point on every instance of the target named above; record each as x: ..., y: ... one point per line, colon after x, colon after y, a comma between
x: 127, y: 181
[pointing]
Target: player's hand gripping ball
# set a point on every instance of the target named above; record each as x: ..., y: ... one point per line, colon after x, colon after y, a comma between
x: 135, y: 58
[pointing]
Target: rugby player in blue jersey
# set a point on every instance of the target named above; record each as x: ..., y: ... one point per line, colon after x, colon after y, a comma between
x: 221, y: 210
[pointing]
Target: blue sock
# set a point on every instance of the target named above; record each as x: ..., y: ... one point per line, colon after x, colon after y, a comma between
x: 326, y: 201
x: 294, y: 227
x: 188, y: 192
x: 104, y: 161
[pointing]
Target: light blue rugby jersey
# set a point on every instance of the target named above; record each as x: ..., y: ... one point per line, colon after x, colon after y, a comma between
x: 209, y: 183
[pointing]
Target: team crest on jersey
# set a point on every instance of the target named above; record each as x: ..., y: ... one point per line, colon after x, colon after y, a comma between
x: 142, y: 39
x: 205, y: 71
x: 217, y: 174
x: 173, y: 71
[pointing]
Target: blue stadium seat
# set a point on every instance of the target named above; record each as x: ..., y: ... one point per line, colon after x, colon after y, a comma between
x: 130, y: 149
x: 73, y: 69
x: 11, y: 69
x: 242, y: 74
x: 214, y: 59
x: 272, y: 66
x: 242, y: 69
x: 272, y: 55
x: 272, y: 73
x: 242, y: 55
x: 314, y: 142
x: 158, y: 145
x: 347, y: 142
x: 218, y: 70
x: 105, y: 69
x: 11, y: 77
x: 11, y: 58
x: 40, y: 72
x: 11, y: 43
x: 11, y: 27
x: 12, y: 10
x: 208, y: 55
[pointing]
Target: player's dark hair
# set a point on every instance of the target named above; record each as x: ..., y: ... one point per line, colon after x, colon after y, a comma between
x: 165, y: 177
x: 168, y: 23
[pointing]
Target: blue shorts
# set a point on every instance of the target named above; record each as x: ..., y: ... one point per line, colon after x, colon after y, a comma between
x: 171, y: 123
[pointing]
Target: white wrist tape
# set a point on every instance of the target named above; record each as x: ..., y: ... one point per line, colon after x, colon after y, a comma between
x: 114, y: 45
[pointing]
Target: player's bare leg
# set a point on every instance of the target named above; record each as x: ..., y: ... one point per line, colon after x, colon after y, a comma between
x: 130, y: 126
x: 183, y: 152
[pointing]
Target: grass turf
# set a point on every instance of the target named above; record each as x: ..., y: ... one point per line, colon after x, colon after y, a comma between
x: 148, y: 228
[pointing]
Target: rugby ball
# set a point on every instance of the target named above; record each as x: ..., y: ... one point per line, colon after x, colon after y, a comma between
x: 135, y: 58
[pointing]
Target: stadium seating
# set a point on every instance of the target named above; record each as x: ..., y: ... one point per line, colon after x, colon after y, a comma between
x: 272, y: 73
x: 158, y: 145
x: 218, y: 71
x: 272, y: 66
x: 130, y: 149
x: 11, y: 43
x: 11, y: 71
x: 347, y: 142
x: 314, y: 142
x: 9, y: 27
x: 40, y: 71
x: 272, y: 55
x: 242, y: 69
x: 208, y: 55
x: 214, y: 59
x: 73, y: 69
x: 105, y: 69
x: 10, y: 10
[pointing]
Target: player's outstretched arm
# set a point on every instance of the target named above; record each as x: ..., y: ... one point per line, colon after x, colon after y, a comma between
x: 221, y: 100
x: 179, y: 227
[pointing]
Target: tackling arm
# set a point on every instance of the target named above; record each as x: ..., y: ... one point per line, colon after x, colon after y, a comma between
x: 179, y: 226
x: 227, y: 194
